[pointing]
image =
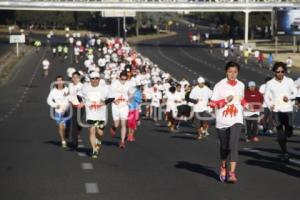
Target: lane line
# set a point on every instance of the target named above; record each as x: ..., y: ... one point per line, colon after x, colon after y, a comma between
x: 91, y: 188
x: 20, y: 100
x: 87, y: 166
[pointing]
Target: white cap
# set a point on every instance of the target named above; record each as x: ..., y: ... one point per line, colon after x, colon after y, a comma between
x: 251, y: 84
x: 94, y: 75
x: 201, y: 80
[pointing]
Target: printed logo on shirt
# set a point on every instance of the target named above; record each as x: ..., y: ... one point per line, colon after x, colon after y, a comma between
x: 95, y: 106
x: 231, y: 111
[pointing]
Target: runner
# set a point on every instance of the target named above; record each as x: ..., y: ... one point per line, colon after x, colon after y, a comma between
x: 66, y: 51
x: 200, y: 96
x: 133, y: 115
x: 279, y: 95
x: 74, y: 89
x: 59, y: 50
x: 54, y: 50
x: 289, y: 64
x: 58, y: 100
x: 95, y: 98
x: 255, y: 100
x: 46, y: 65
x: 267, y: 120
x: 155, y: 104
x: 227, y: 100
x: 120, y: 90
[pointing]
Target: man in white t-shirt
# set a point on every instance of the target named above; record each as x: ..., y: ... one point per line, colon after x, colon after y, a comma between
x: 200, y: 96
x: 46, y: 65
x: 279, y: 95
x: 156, y: 98
x: 74, y: 90
x: 120, y: 90
x: 58, y: 100
x: 289, y: 64
x: 267, y: 121
x: 297, y: 84
x: 95, y: 98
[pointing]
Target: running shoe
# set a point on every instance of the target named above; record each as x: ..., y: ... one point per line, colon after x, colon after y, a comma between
x: 231, y: 177
x: 222, y: 175
x: 130, y: 138
x: 64, y: 144
x: 255, y: 139
x: 206, y: 133
x: 122, y: 145
x: 112, y: 132
x: 98, y: 144
x: 95, y: 154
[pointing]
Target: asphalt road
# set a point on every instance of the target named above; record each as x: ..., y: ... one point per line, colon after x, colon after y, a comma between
x: 159, y: 165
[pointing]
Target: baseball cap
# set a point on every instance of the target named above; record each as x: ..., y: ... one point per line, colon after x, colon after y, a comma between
x: 251, y: 84
x: 94, y: 75
x: 201, y: 80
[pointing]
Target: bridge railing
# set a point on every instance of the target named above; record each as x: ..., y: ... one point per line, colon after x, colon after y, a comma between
x: 169, y: 1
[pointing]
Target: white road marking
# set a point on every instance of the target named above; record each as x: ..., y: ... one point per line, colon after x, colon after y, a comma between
x: 87, y: 166
x: 13, y: 109
x: 251, y: 150
x: 81, y: 154
x: 91, y: 188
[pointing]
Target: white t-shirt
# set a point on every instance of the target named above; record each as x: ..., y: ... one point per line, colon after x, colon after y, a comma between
x: 94, y: 98
x: 76, y: 51
x: 46, y: 64
x: 289, y: 63
x: 262, y: 90
x: 59, y: 98
x: 275, y: 91
x: 120, y: 92
x: 232, y: 112
x: 156, y: 98
x: 297, y: 84
x: 171, y: 98
x: 202, y: 95
x: 74, y: 90
x: 102, y: 62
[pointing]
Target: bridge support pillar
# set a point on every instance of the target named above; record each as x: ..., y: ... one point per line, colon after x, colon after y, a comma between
x: 247, y: 13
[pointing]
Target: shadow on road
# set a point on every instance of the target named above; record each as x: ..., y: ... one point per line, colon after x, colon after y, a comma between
x: 54, y: 143
x: 196, y: 168
x: 272, y: 163
x: 110, y: 143
x: 184, y: 137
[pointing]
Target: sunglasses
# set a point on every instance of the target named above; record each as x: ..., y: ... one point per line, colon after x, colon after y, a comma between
x: 122, y: 79
x: 95, y: 78
x: 282, y: 72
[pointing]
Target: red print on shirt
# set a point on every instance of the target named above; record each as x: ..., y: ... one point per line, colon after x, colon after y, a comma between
x: 230, y: 110
x: 95, y: 106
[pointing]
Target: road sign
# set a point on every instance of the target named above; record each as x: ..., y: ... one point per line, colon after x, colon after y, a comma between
x: 17, y: 39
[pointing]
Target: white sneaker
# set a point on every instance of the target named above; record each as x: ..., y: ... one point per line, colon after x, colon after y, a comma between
x: 64, y: 144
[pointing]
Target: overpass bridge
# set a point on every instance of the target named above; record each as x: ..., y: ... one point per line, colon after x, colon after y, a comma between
x: 150, y: 5
x: 246, y: 6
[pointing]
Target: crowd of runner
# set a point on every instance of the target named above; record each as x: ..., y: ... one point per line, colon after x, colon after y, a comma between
x: 107, y: 72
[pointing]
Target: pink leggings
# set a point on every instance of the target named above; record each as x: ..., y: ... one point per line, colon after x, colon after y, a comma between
x: 133, y: 117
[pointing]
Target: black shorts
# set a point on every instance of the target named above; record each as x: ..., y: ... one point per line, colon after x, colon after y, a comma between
x: 97, y: 123
x: 184, y: 111
x: 202, y: 117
